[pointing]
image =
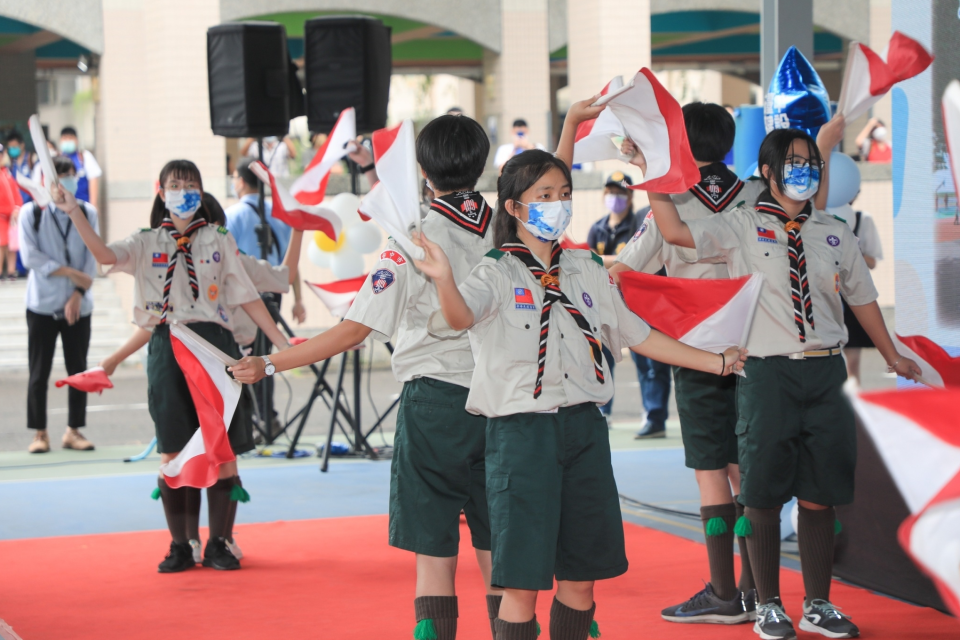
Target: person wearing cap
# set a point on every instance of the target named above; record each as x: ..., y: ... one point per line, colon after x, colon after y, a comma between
x: 88, y: 170
x: 707, y: 404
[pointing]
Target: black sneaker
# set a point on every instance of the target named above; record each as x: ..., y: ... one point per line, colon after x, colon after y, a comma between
x: 750, y: 604
x: 707, y: 607
x: 825, y: 618
x: 772, y: 623
x: 651, y: 430
x: 179, y: 559
x: 218, y: 556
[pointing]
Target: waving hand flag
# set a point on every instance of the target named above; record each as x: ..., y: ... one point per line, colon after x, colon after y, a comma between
x: 707, y: 314
x: 594, y: 139
x: 918, y: 438
x: 394, y: 202
x: 304, y: 217
x: 338, y: 296
x: 92, y: 381
x: 311, y: 187
x: 650, y: 117
x: 215, y: 395
x: 868, y: 77
x: 939, y: 369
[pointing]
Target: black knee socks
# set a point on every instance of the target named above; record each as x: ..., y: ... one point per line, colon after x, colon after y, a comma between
x: 175, y: 509
x: 763, y: 543
x: 815, y: 535
x: 746, y: 572
x: 572, y: 624
x: 436, y: 618
x: 194, y: 500
x: 219, y: 504
x: 493, y: 610
x: 718, y: 522
x: 516, y: 630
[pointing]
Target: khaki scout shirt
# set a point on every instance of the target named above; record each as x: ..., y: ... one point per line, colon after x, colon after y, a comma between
x: 507, y: 300
x: 223, y: 281
x: 398, y: 299
x: 267, y: 279
x: 834, y: 266
x: 648, y: 252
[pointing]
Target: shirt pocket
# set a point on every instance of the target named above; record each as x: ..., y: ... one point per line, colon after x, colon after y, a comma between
x: 521, y: 329
x: 823, y: 268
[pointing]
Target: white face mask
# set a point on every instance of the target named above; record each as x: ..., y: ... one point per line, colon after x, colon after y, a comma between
x: 880, y: 134
x: 800, y: 183
x: 182, y: 203
x: 548, y: 220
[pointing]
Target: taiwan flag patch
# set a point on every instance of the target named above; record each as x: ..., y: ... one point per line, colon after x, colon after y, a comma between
x: 524, y: 299
x: 766, y: 235
x: 159, y: 259
x: 381, y: 279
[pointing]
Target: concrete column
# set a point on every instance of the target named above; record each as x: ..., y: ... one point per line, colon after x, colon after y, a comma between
x: 18, y: 97
x: 524, y: 69
x: 783, y: 23
x: 605, y: 38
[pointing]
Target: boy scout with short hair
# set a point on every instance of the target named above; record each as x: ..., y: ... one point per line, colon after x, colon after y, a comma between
x: 707, y: 403
x: 438, y: 461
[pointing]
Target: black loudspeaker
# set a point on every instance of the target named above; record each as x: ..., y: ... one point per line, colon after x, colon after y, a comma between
x: 347, y: 63
x: 249, y: 76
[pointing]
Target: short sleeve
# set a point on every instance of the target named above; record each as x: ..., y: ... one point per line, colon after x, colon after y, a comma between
x: 482, y: 292
x: 237, y: 286
x: 713, y: 237
x: 856, y: 283
x: 870, y: 244
x: 91, y: 166
x: 384, y: 296
x: 266, y: 277
x: 619, y: 327
x: 645, y: 248
x: 129, y: 252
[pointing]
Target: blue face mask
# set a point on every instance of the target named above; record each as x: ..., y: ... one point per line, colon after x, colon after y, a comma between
x: 69, y: 183
x: 182, y: 203
x: 14, y: 152
x: 800, y: 183
x: 548, y: 220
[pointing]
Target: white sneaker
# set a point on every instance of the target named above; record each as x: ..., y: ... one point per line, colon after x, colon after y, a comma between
x: 197, y: 550
x: 234, y: 549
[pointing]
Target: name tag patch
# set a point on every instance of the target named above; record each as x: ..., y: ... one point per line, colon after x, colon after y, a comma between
x: 524, y: 299
x: 766, y: 235
x: 153, y: 307
x: 393, y: 257
x: 159, y: 259
x: 381, y: 279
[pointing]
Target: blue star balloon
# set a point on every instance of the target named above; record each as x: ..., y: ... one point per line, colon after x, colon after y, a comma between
x: 797, y: 98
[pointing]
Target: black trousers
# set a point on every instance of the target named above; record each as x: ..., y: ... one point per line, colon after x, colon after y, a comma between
x: 42, y: 332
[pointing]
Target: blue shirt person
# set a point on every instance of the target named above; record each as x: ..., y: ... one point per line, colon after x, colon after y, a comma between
x: 88, y: 170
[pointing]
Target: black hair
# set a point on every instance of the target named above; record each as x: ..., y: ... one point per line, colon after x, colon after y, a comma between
x: 68, y: 131
x: 519, y: 174
x: 710, y: 129
x: 182, y: 170
x: 452, y: 151
x: 454, y: 111
x: 63, y: 165
x: 212, y: 205
x: 775, y: 149
x: 520, y: 122
x: 248, y: 177
x: 14, y: 136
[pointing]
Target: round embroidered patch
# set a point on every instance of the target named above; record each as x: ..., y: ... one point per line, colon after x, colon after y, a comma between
x: 833, y: 241
x: 587, y: 300
x: 216, y: 256
x: 212, y: 292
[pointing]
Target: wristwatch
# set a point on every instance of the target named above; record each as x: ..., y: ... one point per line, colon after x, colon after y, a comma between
x: 268, y: 368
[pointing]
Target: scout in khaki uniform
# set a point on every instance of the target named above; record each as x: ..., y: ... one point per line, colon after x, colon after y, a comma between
x: 438, y: 461
x: 795, y: 427
x: 538, y: 315
x: 189, y: 271
x: 707, y: 403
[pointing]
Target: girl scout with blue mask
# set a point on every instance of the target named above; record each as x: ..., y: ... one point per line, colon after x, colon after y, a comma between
x: 795, y: 428
x: 538, y: 315
x: 189, y: 271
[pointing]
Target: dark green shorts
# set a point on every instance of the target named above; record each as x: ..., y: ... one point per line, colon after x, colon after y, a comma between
x: 168, y: 397
x: 437, y: 471
x: 796, y: 432
x: 554, y: 506
x: 707, y: 404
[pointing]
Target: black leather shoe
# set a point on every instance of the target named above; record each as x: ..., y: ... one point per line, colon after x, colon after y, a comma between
x: 179, y: 559
x: 651, y: 430
x: 218, y: 556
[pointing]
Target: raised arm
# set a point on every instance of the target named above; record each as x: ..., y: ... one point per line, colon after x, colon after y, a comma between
x: 435, y: 265
x: 88, y: 234
x: 578, y: 112
x: 829, y: 136
x: 672, y: 228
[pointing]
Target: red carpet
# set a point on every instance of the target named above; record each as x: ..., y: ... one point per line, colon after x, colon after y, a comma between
x: 337, y: 578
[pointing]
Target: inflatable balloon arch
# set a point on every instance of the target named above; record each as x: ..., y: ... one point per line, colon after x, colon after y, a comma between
x: 344, y: 256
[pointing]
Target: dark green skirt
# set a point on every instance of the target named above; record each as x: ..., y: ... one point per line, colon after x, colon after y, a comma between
x: 168, y: 396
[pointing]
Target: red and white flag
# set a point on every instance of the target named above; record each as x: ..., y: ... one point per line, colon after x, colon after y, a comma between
x: 305, y: 217
x: 868, y: 76
x: 950, y: 105
x: 394, y: 202
x: 918, y: 437
x: 707, y: 314
x: 215, y: 395
x: 338, y: 296
x: 594, y: 139
x: 311, y: 187
x: 938, y: 367
x: 566, y: 242
x: 650, y: 117
x: 91, y: 381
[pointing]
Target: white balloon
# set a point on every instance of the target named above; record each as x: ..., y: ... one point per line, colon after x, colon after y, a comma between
x: 345, y: 205
x: 317, y: 256
x: 364, y: 237
x: 346, y: 264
